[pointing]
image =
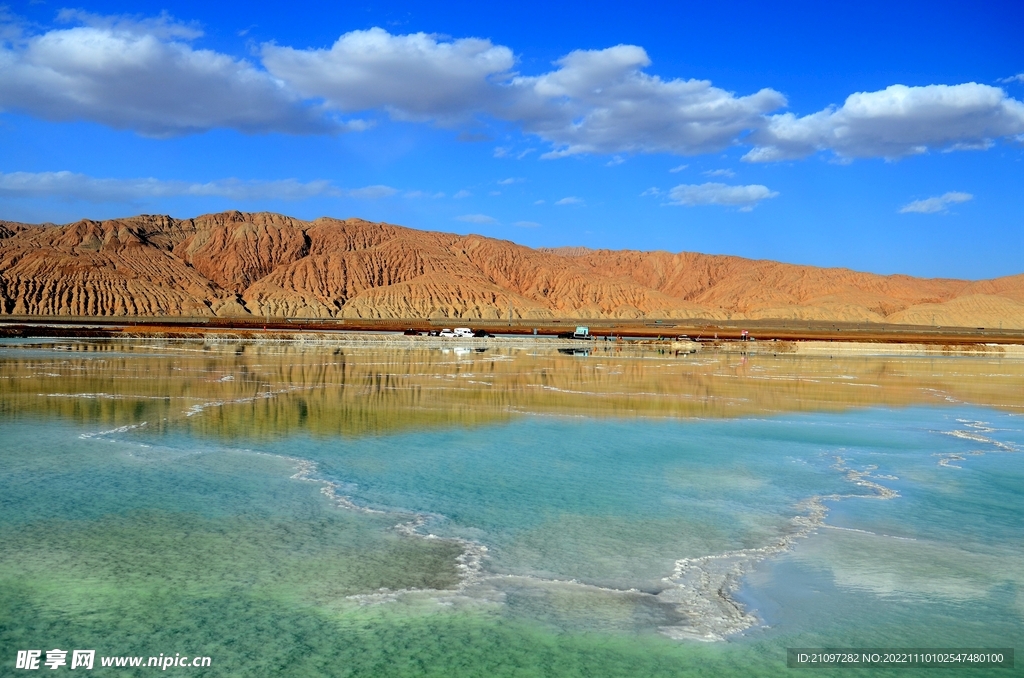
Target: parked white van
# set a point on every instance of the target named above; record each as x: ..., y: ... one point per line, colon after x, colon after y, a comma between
x: 446, y: 333
x: 463, y: 332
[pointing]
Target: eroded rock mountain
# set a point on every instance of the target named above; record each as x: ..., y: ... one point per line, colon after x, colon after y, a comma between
x: 262, y: 264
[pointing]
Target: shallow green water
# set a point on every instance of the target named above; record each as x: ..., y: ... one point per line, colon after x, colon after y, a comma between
x: 148, y: 507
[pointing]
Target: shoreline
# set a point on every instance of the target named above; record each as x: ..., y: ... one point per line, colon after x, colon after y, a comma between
x: 634, y: 329
x: 864, y: 348
x: 846, y: 347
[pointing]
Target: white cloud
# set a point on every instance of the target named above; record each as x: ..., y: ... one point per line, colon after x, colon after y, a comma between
x: 511, y: 180
x: 143, y: 75
x: 372, y: 192
x: 526, y: 224
x: 72, y: 186
x: 148, y: 75
x: 616, y: 160
x: 462, y: 194
x: 477, y: 219
x: 601, y: 101
x: 538, y: 202
x: 744, y: 197
x: 11, y: 28
x: 719, y: 173
x: 413, y: 77
x: 594, y: 101
x: 894, y: 122
x: 506, y: 152
x: 1019, y: 78
x: 652, y: 191
x: 422, y: 194
x: 678, y: 168
x: 937, y: 204
x: 162, y: 26
x: 570, y: 200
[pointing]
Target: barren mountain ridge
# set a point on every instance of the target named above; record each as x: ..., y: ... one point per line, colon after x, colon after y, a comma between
x: 264, y: 264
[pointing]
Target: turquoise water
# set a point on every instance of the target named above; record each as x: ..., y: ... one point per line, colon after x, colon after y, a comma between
x: 541, y: 542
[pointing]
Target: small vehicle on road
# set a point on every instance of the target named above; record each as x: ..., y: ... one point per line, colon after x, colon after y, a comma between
x: 582, y: 332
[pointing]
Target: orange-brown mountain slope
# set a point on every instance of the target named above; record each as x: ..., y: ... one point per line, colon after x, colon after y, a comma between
x: 266, y: 264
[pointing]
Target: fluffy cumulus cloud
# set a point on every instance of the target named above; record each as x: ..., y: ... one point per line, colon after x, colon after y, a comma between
x: 595, y: 101
x: 414, y: 77
x: 601, y: 101
x: 150, y: 75
x: 147, y: 77
x: 74, y: 186
x: 744, y: 197
x: 939, y: 203
x: 894, y: 122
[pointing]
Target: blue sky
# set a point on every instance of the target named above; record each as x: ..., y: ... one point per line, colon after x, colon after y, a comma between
x: 885, y: 137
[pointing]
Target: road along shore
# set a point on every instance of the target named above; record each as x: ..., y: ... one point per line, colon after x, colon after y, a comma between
x: 848, y: 344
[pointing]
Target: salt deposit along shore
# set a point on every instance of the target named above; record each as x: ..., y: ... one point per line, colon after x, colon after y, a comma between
x: 848, y: 346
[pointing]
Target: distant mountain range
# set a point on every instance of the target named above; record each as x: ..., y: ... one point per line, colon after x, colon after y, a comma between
x: 263, y: 264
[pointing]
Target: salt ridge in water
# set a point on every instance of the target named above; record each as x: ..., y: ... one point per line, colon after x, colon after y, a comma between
x: 699, y: 588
